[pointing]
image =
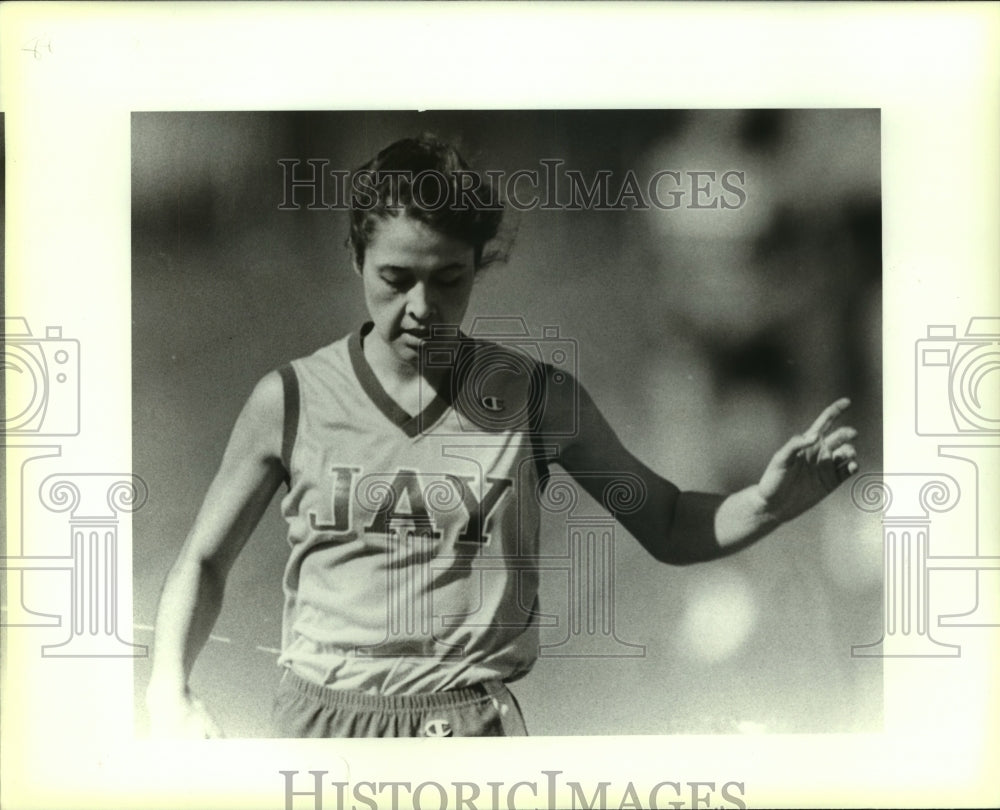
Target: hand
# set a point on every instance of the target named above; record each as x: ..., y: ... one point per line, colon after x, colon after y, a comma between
x: 183, y: 716
x: 809, y: 467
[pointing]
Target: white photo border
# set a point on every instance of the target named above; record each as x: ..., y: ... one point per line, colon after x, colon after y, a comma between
x: 70, y: 76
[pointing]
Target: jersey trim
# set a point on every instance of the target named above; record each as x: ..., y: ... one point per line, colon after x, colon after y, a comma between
x: 290, y: 383
x: 409, y: 424
x: 535, y: 423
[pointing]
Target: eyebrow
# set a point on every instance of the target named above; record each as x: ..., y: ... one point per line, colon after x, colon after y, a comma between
x: 395, y: 268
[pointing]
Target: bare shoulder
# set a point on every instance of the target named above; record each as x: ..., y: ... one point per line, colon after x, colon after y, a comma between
x: 267, y: 397
x: 259, y: 426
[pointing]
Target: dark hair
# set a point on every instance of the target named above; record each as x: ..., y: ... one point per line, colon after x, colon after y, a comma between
x: 465, y: 206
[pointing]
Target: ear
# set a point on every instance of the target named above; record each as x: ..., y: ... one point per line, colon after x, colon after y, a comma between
x: 354, y: 263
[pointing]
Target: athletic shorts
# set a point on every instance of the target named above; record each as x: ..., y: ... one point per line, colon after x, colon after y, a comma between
x: 305, y: 709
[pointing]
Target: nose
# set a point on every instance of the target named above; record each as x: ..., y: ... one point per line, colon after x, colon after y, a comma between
x: 419, y: 302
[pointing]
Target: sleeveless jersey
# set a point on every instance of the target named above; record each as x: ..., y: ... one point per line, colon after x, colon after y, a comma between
x: 413, y: 537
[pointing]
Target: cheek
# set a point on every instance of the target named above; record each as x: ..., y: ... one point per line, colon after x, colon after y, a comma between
x: 383, y: 307
x: 458, y: 297
x: 460, y: 293
x: 386, y: 310
x: 379, y: 294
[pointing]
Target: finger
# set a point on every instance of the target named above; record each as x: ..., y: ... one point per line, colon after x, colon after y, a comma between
x: 210, y: 729
x: 839, y: 437
x: 846, y: 470
x: 794, y: 445
x: 844, y: 453
x: 845, y: 462
x: 827, y: 418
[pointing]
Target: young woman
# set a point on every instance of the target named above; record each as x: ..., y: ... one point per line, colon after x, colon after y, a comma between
x: 415, y: 458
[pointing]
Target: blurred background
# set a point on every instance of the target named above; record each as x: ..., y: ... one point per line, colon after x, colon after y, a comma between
x: 706, y: 336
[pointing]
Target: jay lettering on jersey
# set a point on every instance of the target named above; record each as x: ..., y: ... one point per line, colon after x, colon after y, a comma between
x: 422, y: 500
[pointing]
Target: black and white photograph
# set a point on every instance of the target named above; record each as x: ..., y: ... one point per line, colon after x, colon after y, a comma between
x: 499, y: 405
x: 627, y: 312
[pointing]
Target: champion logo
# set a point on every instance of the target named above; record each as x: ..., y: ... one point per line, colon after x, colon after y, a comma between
x: 492, y: 403
x: 437, y: 728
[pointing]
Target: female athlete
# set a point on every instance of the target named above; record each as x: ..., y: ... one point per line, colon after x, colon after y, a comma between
x: 415, y: 458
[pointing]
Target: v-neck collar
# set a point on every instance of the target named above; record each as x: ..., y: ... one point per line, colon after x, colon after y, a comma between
x: 411, y: 425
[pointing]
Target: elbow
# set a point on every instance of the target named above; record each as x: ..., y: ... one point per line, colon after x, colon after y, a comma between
x: 677, y: 557
x: 668, y: 547
x: 689, y: 536
x: 679, y: 530
x: 198, y: 571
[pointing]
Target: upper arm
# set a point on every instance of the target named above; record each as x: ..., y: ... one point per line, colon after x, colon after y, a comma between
x: 590, y: 450
x: 250, y: 473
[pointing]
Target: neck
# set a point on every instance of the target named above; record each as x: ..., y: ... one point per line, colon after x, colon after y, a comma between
x: 396, y: 374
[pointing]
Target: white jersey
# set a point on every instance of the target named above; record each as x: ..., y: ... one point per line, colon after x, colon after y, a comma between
x: 413, y: 537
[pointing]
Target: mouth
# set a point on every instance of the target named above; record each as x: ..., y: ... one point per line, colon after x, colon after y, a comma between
x: 435, y: 332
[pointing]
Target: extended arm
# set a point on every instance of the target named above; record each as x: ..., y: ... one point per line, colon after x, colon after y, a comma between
x: 249, y: 475
x: 686, y: 527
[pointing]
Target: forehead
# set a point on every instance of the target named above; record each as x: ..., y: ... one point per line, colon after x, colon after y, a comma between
x: 405, y: 241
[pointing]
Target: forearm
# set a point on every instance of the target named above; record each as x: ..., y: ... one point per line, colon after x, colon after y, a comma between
x: 189, y: 606
x: 703, y: 527
x: 742, y: 518
x: 687, y: 527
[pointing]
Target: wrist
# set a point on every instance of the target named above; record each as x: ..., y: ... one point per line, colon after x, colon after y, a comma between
x: 745, y: 517
x: 763, y: 511
x: 166, y: 686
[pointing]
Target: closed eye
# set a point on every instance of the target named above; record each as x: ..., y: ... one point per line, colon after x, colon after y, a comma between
x: 450, y: 276
x: 396, y: 279
x: 401, y: 278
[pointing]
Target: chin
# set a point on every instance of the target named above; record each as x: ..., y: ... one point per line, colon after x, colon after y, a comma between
x: 408, y: 353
